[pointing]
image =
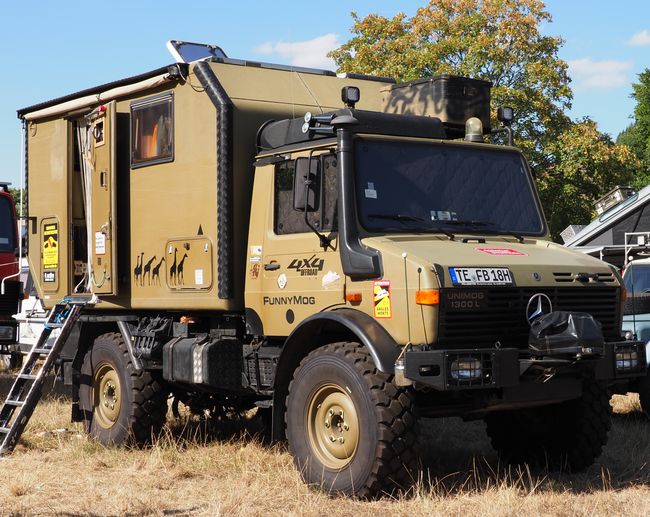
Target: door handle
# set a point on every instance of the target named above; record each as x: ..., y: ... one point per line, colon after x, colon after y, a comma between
x: 272, y: 266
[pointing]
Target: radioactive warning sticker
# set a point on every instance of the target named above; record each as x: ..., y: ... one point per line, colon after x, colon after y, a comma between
x: 51, y: 246
x: 381, y: 298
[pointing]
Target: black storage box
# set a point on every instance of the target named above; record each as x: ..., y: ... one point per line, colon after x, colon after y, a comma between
x: 197, y: 360
x: 450, y: 98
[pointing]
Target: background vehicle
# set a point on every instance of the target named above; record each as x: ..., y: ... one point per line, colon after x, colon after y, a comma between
x: 9, y: 297
x: 343, y: 269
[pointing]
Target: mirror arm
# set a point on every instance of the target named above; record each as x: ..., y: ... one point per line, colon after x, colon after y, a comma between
x: 325, y: 241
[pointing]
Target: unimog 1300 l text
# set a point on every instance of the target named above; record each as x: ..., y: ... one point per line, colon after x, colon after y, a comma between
x: 342, y: 252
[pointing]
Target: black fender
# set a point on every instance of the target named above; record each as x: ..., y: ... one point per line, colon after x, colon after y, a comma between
x: 328, y: 327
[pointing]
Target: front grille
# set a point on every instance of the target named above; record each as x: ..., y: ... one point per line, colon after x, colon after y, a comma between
x: 499, y: 314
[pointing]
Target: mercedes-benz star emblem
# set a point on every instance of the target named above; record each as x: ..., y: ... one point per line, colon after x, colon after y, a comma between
x: 537, y: 305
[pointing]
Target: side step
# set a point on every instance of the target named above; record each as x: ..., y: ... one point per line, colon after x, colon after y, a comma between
x: 25, y: 392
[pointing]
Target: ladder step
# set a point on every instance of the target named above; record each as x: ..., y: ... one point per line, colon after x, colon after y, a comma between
x: 27, y: 376
x: 5, y: 430
x: 53, y: 325
x: 44, y: 351
x: 17, y: 403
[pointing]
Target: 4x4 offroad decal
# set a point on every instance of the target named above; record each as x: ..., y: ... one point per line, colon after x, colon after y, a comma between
x: 307, y: 267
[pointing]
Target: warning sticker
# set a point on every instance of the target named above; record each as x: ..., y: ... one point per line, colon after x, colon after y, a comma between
x: 501, y: 252
x: 51, y: 246
x: 381, y: 298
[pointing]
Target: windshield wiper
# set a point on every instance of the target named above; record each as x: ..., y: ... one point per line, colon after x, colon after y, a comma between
x: 412, y: 218
x: 483, y: 224
x: 397, y: 217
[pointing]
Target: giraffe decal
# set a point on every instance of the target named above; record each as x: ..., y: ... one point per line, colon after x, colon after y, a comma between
x: 181, y: 265
x: 173, y: 268
x: 137, y: 271
x: 147, y: 270
x: 155, y: 272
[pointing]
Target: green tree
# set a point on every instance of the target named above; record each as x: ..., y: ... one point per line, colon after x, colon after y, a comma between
x: 495, y: 40
x: 15, y: 193
x: 637, y: 135
x: 500, y: 41
x: 586, y: 164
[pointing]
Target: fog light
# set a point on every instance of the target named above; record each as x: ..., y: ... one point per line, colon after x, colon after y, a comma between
x: 467, y: 369
x: 627, y: 360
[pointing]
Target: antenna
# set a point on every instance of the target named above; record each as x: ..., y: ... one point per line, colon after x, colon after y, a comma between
x: 406, y: 293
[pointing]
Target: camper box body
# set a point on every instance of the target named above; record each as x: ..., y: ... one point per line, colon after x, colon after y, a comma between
x: 169, y: 223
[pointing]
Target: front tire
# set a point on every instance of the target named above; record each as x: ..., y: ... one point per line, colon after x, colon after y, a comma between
x: 570, y: 434
x: 643, y: 388
x: 119, y: 403
x: 350, y: 429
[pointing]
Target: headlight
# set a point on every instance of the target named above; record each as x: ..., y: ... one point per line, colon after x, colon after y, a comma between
x: 466, y: 369
x: 627, y: 360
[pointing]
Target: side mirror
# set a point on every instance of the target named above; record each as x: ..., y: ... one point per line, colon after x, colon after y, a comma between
x: 306, y: 185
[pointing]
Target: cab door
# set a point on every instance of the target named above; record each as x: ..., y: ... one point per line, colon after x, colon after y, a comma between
x: 299, y: 276
x: 101, y: 212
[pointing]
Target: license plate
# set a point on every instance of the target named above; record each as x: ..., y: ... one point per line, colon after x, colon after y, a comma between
x: 480, y: 276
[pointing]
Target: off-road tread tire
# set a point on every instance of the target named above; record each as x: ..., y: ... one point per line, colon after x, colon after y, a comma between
x: 644, y: 393
x: 147, y: 409
x: 569, y: 435
x: 396, y: 463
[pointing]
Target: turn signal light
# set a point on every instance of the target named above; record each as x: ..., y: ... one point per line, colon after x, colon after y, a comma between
x: 353, y: 297
x: 427, y: 297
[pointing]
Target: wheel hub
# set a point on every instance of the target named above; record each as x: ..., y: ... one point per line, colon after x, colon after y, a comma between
x: 333, y: 426
x: 107, y: 401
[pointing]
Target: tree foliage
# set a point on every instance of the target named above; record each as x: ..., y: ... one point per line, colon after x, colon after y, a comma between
x: 500, y: 41
x: 586, y: 164
x: 637, y: 135
x: 494, y: 40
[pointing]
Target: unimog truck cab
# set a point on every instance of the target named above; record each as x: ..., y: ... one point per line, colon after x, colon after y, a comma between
x: 343, y: 253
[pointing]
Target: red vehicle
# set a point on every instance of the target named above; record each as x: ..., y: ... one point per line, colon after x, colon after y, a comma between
x: 9, y: 267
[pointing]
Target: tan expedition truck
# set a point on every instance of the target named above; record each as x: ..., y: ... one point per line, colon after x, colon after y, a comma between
x: 344, y: 253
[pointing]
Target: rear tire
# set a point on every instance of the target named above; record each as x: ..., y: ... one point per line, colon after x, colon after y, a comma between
x: 350, y: 429
x: 12, y: 361
x: 566, y: 435
x: 118, y: 402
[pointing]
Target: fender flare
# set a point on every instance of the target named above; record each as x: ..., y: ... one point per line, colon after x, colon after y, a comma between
x: 314, y: 332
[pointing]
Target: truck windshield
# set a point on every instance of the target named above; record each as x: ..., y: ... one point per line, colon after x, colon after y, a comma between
x: 7, y: 226
x: 421, y: 186
x: 637, y: 278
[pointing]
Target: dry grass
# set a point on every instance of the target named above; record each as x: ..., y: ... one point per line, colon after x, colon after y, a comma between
x: 62, y: 472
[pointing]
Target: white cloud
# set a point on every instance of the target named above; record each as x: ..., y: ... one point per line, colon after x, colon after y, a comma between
x: 640, y: 39
x: 588, y: 74
x: 310, y: 53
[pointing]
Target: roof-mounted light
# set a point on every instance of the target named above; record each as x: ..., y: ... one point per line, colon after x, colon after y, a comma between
x: 505, y: 115
x: 350, y: 95
x: 473, y: 130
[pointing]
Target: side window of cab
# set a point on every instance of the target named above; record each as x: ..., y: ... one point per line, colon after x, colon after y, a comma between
x: 288, y: 191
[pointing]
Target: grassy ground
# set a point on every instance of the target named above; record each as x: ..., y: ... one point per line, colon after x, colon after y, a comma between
x: 57, y: 470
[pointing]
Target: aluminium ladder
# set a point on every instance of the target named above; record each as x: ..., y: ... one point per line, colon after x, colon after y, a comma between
x: 28, y: 384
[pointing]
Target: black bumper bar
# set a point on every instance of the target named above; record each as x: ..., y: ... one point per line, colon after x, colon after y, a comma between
x: 448, y: 370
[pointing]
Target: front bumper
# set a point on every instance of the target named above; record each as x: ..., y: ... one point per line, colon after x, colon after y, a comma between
x: 509, y: 367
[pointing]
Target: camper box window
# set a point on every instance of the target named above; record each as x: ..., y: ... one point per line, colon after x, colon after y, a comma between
x: 152, y: 131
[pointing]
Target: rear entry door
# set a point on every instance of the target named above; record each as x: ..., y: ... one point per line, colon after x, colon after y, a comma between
x: 102, y: 210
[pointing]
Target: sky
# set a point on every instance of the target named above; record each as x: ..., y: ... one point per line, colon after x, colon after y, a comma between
x: 57, y: 48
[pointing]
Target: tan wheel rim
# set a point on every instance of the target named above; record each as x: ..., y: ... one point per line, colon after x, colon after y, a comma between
x: 333, y: 426
x: 107, y: 396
